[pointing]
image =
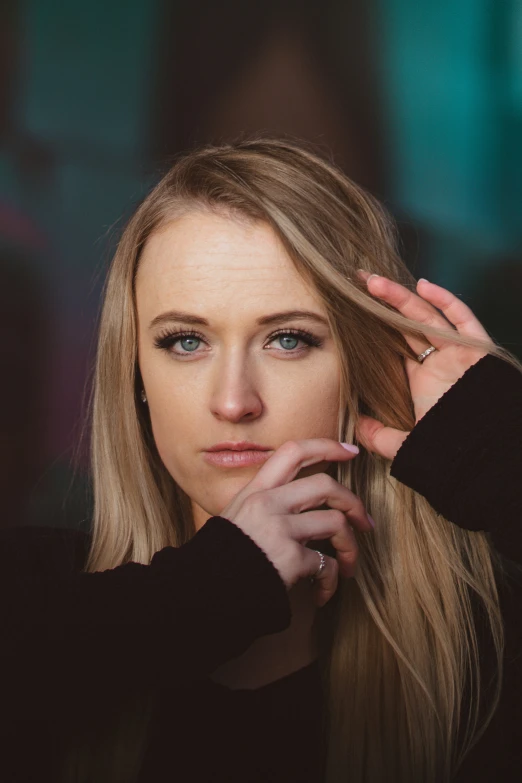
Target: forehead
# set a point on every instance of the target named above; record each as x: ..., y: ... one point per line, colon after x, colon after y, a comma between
x: 204, y: 259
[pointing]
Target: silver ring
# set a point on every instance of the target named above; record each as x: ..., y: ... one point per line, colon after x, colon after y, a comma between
x: 321, y: 568
x: 425, y: 353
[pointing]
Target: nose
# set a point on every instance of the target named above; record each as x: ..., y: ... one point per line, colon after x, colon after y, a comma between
x: 235, y: 392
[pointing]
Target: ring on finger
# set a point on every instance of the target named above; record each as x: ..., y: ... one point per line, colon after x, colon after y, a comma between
x: 321, y: 568
x: 424, y: 354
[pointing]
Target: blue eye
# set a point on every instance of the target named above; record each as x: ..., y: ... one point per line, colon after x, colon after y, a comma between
x: 290, y: 337
x: 295, y: 335
x: 189, y: 338
x: 166, y: 341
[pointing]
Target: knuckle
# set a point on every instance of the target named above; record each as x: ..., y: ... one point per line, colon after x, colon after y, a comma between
x: 325, y: 483
x: 339, y: 517
x: 258, y: 500
x: 330, y: 482
x: 357, y: 508
x: 291, y: 447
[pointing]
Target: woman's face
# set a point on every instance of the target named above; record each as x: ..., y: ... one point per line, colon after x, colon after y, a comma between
x: 236, y: 380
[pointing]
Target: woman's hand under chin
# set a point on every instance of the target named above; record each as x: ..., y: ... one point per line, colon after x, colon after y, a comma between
x: 429, y: 379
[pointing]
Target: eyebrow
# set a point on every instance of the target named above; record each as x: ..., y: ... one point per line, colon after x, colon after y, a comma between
x: 274, y: 318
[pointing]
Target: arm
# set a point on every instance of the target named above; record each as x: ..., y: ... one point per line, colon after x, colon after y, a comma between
x: 178, y: 618
x: 465, y: 454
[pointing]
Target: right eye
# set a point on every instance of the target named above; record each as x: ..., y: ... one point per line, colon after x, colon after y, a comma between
x: 166, y: 341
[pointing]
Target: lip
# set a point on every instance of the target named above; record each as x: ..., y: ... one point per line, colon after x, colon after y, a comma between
x: 238, y: 445
x: 236, y: 459
x: 237, y: 454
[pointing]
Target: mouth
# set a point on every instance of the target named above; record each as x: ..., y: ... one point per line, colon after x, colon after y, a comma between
x: 237, y: 458
x: 238, y: 445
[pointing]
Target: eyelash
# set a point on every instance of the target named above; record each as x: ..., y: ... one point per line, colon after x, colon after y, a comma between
x: 166, y: 340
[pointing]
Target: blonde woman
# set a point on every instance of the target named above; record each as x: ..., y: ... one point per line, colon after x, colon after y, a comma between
x: 236, y: 614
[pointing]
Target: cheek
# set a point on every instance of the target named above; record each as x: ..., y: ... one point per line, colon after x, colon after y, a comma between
x: 317, y: 405
x: 317, y: 417
x: 175, y: 427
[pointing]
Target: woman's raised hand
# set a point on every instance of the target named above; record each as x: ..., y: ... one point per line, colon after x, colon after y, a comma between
x: 429, y: 379
x: 273, y: 510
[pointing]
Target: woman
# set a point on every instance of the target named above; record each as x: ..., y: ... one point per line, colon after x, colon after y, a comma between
x: 239, y: 616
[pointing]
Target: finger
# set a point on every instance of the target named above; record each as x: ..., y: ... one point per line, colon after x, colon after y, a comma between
x: 375, y: 437
x: 316, y: 525
x: 455, y: 310
x: 347, y: 550
x: 319, y: 525
x: 418, y: 345
x: 325, y: 585
x: 313, y: 491
x: 293, y: 455
x: 411, y: 306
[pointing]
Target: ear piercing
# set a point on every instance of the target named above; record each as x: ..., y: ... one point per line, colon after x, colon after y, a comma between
x: 143, y: 396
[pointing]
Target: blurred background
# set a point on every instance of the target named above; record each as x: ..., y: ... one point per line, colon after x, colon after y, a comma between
x: 420, y: 101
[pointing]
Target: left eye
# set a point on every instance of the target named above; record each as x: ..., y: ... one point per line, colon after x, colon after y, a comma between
x: 291, y: 337
x: 296, y: 335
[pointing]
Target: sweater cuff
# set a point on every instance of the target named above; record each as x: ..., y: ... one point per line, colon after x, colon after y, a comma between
x: 465, y: 450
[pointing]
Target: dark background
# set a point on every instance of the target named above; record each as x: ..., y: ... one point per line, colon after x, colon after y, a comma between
x: 420, y: 101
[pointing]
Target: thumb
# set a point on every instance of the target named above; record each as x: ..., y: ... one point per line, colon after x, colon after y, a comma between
x: 374, y: 436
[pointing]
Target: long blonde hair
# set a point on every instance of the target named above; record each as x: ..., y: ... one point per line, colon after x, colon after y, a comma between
x: 398, y: 643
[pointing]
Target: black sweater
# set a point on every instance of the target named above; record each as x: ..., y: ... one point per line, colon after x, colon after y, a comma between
x: 81, y: 649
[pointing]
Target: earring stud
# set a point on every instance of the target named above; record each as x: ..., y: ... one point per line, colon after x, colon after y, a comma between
x: 143, y: 396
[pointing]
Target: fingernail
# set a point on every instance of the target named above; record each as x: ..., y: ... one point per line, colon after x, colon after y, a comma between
x: 374, y: 275
x: 423, y: 280
x: 350, y: 447
x: 370, y: 520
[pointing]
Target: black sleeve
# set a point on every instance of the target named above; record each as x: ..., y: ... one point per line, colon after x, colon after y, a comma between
x: 178, y: 618
x: 465, y: 454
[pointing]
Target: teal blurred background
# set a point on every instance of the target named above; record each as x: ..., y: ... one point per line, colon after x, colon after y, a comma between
x: 420, y: 101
